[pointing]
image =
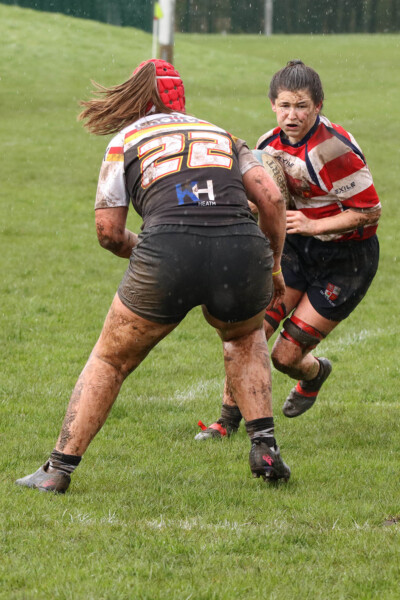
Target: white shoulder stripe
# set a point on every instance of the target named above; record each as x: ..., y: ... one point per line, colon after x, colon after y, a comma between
x: 352, y: 184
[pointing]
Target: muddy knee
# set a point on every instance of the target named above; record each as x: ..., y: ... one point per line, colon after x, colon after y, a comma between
x: 281, y: 361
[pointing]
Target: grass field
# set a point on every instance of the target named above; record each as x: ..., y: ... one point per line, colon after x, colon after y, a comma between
x: 150, y: 513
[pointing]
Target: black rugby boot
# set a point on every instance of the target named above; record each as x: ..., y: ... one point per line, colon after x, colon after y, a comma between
x: 302, y: 397
x: 216, y: 431
x: 46, y: 479
x: 267, y: 462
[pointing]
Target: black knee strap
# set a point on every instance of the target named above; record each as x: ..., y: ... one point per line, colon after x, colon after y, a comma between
x: 275, y: 315
x: 300, y: 333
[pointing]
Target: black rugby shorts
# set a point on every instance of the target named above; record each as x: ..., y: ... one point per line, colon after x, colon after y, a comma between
x: 175, y: 268
x: 334, y: 275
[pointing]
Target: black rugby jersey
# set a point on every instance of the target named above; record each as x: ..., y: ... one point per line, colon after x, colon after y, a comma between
x: 176, y: 169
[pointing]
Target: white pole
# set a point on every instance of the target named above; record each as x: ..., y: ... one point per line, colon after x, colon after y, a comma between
x: 166, y: 30
x: 269, y: 14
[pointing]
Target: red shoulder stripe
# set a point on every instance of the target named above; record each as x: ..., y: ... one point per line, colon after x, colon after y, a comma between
x: 116, y: 150
x: 366, y: 199
x: 340, y: 167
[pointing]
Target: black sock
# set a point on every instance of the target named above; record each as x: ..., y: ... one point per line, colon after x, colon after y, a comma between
x: 314, y: 384
x: 230, y: 415
x: 262, y: 429
x: 64, y: 462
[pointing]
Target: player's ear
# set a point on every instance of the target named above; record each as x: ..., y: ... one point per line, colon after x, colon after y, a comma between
x: 318, y: 107
x: 273, y: 105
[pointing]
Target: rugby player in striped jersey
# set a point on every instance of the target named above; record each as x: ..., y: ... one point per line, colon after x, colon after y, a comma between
x: 331, y: 249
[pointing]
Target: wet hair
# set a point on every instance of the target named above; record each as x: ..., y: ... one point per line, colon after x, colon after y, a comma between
x: 116, y: 107
x: 296, y: 76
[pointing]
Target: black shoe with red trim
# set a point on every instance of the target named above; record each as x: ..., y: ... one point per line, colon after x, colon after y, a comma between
x: 303, y: 396
x: 267, y: 462
x: 46, y: 479
x: 216, y: 431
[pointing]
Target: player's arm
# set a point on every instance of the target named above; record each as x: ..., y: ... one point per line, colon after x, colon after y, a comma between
x: 265, y: 194
x: 246, y: 162
x: 265, y: 198
x: 360, y: 202
x: 348, y: 220
x: 262, y: 191
x: 112, y: 233
x: 112, y: 203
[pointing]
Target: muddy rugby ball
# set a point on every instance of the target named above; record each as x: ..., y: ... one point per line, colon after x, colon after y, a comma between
x: 274, y: 170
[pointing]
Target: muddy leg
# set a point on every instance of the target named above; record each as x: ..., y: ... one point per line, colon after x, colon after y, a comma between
x: 125, y: 341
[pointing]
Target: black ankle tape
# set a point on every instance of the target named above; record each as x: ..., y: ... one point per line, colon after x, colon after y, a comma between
x: 263, y: 430
x: 69, y: 459
x: 314, y: 385
x: 64, y: 462
x: 231, y: 415
x: 260, y: 425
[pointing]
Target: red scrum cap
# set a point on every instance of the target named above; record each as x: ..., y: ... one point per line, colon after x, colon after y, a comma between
x: 169, y: 84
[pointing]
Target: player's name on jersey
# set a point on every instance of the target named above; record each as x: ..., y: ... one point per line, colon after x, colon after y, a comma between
x: 170, y: 118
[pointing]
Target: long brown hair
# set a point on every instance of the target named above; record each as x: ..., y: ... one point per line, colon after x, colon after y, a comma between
x: 122, y: 104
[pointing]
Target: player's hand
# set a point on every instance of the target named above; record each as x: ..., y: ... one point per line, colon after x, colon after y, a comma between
x: 297, y: 222
x: 279, y: 291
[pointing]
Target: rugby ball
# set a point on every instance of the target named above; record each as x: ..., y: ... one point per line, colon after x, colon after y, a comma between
x: 275, y: 170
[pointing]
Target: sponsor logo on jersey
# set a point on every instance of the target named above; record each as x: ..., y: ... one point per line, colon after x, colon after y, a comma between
x: 286, y: 162
x: 345, y: 188
x: 196, y: 192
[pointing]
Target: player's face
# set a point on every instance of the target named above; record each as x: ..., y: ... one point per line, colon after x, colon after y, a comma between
x: 295, y: 113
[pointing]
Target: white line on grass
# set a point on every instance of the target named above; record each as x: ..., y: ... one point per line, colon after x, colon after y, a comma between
x: 275, y: 527
x: 365, y: 405
x: 194, y: 392
x: 87, y: 519
x: 215, y: 386
x: 350, y: 339
x: 201, y: 388
x: 197, y: 524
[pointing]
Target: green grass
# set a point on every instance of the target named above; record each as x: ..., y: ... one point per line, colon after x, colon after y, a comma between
x: 151, y: 514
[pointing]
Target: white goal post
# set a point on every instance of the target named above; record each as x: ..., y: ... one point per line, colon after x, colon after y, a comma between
x: 166, y: 26
x: 268, y: 16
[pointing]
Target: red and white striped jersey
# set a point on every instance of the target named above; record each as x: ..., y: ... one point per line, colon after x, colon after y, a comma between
x: 326, y: 173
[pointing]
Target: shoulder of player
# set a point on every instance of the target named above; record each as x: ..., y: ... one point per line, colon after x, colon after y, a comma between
x: 158, y: 124
x: 239, y: 143
x: 115, y: 149
x: 264, y: 140
x: 331, y: 141
x: 337, y: 135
